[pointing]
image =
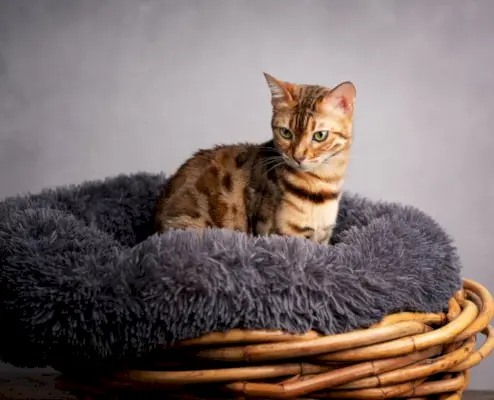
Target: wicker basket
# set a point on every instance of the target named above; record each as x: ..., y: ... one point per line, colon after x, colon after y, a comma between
x: 407, y: 355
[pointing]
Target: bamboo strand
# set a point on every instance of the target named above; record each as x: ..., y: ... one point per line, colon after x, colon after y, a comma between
x: 275, y: 351
x: 167, y: 378
x: 450, y: 385
x: 247, y: 336
x: 409, y: 344
x: 329, y: 379
x: 477, y: 356
x: 427, y: 319
x: 388, y: 392
x: 375, y: 381
x: 486, y: 312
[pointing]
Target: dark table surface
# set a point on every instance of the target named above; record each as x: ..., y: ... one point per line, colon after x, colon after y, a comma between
x: 40, y: 385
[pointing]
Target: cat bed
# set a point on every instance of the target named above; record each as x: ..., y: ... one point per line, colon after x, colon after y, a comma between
x: 86, y: 284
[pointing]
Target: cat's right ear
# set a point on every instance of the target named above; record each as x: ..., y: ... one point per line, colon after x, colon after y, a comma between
x: 281, y: 92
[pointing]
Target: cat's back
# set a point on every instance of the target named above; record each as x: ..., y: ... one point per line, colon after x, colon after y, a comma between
x: 208, y: 189
x: 214, y: 167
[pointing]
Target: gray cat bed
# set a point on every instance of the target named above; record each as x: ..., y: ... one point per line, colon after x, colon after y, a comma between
x: 83, y: 277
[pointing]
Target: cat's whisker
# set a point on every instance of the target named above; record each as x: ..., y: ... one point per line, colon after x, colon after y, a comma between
x: 274, y: 163
x: 270, y: 159
x: 273, y: 167
x: 266, y: 164
x: 269, y: 148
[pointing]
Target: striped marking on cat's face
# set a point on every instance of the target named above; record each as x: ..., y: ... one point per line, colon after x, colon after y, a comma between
x: 312, y: 124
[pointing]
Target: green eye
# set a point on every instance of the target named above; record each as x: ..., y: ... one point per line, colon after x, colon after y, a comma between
x: 285, y: 133
x: 320, y: 136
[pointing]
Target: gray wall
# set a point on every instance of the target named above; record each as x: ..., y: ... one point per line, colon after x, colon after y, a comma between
x: 92, y: 88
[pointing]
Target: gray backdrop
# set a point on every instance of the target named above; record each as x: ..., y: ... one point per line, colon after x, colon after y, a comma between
x: 92, y: 88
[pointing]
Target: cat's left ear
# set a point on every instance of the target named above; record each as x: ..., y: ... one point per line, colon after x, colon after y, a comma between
x: 342, y: 97
x: 282, y: 93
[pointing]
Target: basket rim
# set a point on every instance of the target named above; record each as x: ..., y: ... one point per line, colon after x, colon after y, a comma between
x: 393, y: 358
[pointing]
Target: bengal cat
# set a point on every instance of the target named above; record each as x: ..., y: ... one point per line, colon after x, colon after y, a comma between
x: 290, y: 185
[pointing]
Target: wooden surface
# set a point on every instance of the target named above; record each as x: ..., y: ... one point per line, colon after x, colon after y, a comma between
x: 39, y: 385
x: 31, y: 384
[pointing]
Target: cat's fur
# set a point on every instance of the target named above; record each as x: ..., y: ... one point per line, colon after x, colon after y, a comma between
x: 290, y: 185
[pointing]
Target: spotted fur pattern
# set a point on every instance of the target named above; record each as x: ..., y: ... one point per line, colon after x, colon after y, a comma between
x: 290, y: 185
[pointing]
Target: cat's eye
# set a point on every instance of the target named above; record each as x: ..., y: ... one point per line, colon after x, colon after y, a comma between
x: 320, y: 136
x: 285, y: 133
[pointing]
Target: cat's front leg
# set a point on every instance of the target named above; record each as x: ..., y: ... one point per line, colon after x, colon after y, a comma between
x: 287, y: 227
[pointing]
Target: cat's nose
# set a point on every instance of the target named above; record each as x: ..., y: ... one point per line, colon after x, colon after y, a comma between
x: 299, y: 159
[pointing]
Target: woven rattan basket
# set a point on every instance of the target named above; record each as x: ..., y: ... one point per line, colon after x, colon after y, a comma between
x: 407, y: 355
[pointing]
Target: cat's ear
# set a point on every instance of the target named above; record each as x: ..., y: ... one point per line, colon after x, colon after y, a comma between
x: 342, y: 98
x: 281, y: 92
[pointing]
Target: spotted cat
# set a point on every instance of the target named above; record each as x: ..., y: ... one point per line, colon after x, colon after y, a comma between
x: 290, y: 185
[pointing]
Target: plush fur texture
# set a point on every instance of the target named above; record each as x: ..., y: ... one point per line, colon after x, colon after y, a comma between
x: 83, y: 278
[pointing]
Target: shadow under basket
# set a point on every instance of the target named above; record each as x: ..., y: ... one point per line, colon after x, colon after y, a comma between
x: 406, y: 355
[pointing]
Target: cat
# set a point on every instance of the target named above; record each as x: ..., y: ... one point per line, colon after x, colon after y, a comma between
x: 290, y: 185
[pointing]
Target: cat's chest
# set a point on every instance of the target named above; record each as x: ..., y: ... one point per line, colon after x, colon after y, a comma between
x: 320, y: 217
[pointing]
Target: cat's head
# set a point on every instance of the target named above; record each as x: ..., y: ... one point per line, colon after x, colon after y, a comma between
x: 312, y: 124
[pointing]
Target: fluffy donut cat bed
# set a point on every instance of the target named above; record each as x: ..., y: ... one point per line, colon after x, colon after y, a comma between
x: 78, y: 271
x: 83, y: 279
